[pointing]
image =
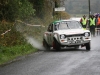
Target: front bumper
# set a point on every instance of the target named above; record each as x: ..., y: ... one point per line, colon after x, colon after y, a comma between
x: 75, y: 41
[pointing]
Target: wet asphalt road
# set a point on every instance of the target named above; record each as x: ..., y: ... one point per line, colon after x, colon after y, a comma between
x: 65, y: 62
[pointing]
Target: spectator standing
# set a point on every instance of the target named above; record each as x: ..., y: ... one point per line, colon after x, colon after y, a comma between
x: 83, y: 21
x: 98, y: 25
x: 92, y: 25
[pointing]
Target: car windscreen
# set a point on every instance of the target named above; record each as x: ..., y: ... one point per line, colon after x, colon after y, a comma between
x: 68, y: 25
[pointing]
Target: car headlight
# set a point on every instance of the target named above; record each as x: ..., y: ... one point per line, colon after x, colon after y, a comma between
x: 87, y: 34
x: 62, y: 36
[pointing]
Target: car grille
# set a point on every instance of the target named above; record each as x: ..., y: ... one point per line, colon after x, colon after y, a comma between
x: 75, y: 39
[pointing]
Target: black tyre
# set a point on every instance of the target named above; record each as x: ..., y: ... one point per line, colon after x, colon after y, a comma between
x: 88, y: 47
x: 57, y: 45
x: 46, y: 45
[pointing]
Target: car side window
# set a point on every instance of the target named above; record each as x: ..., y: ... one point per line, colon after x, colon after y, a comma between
x: 55, y: 27
x: 50, y: 28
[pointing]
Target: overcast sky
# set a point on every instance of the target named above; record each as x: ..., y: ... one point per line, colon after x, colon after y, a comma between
x: 80, y: 6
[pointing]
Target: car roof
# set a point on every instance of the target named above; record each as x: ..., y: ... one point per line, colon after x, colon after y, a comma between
x: 62, y: 21
x: 76, y: 18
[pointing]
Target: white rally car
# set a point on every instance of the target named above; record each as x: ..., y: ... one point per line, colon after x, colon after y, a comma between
x: 66, y: 33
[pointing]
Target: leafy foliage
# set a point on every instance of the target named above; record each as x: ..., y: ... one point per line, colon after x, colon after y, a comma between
x: 7, y: 10
x: 12, y: 9
x: 38, y: 6
x: 25, y: 9
x: 11, y: 38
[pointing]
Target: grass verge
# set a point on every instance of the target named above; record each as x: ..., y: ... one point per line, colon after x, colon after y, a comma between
x: 9, y: 53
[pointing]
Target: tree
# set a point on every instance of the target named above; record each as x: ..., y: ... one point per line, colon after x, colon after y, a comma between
x: 38, y: 6
x: 25, y: 9
x: 12, y: 9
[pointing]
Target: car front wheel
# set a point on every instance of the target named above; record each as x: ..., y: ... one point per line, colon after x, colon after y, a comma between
x: 88, y: 47
x: 56, y: 45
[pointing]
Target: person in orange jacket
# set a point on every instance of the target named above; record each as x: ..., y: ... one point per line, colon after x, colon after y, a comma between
x: 98, y: 25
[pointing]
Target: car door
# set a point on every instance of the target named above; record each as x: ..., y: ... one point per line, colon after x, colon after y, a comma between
x: 50, y: 34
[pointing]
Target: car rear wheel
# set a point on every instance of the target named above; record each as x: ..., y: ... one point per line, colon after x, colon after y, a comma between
x: 46, y: 45
x: 88, y: 46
